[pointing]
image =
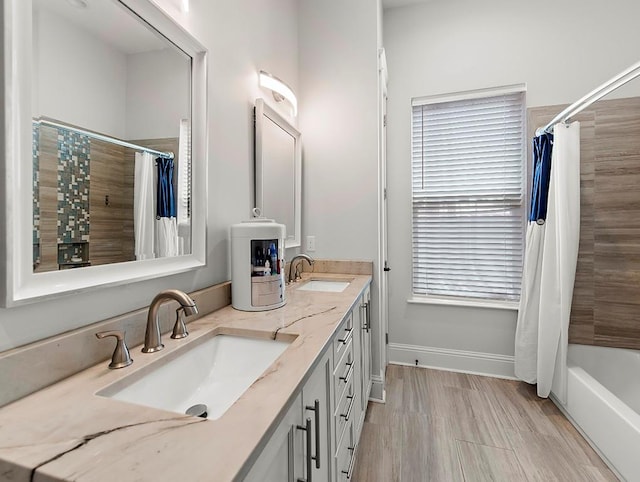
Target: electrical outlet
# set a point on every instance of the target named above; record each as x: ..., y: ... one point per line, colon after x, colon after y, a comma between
x: 311, y: 243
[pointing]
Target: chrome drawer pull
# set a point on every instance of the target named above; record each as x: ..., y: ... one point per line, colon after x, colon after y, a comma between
x: 348, y: 414
x: 347, y: 376
x: 346, y: 338
x: 366, y: 325
x: 307, y: 428
x: 349, y: 471
x: 368, y: 311
x: 316, y: 414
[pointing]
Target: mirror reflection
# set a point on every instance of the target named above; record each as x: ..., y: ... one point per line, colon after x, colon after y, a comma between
x: 111, y: 137
x: 278, y: 171
x: 278, y: 152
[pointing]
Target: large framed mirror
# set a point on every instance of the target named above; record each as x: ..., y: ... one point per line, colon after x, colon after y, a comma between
x: 105, y: 146
x: 278, y: 171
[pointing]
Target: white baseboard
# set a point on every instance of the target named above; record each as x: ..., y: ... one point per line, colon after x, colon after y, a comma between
x: 501, y: 366
x: 378, y: 393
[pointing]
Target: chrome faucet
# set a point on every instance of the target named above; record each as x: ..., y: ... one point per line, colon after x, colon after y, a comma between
x: 152, y: 339
x: 296, y: 275
x: 121, y: 357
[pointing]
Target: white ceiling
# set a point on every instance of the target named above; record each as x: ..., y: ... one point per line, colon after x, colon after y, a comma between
x: 110, y: 21
x: 401, y: 3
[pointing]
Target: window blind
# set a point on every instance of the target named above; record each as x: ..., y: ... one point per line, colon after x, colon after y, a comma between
x: 467, y: 192
x: 184, y: 172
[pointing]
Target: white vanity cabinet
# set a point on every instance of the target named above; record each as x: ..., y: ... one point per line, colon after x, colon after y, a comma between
x: 299, y: 448
x: 352, y: 383
x: 282, y: 459
x: 318, y: 437
x: 347, y: 396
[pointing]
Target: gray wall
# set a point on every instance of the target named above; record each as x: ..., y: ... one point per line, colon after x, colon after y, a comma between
x: 339, y: 122
x: 561, y: 50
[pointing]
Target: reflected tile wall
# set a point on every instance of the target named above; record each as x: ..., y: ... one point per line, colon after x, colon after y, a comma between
x: 35, y: 132
x: 73, y: 187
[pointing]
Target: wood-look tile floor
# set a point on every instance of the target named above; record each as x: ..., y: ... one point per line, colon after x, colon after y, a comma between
x: 444, y: 426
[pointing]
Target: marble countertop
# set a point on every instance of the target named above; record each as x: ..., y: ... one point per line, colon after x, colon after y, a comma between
x: 67, y: 432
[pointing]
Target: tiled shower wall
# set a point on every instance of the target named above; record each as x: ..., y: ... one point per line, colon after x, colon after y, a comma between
x: 111, y: 200
x: 85, y: 210
x: 73, y: 187
x: 606, y: 301
x: 83, y: 198
x: 35, y: 134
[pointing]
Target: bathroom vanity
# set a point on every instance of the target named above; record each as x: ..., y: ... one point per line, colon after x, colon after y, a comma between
x: 301, y: 418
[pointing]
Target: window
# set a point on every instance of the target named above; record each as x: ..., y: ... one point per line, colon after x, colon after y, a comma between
x: 184, y: 173
x: 467, y: 194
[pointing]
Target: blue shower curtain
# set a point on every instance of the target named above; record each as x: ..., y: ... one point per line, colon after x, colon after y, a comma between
x: 166, y: 221
x: 166, y: 199
x: 542, y: 148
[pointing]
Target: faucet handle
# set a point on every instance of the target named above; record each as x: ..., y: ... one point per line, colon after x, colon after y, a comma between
x: 180, y: 329
x: 121, y: 357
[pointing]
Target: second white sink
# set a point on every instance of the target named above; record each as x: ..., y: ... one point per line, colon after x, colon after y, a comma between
x: 333, y: 286
x: 215, y: 373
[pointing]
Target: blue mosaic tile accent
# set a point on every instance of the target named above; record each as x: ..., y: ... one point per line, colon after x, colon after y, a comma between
x: 73, y: 253
x: 35, y: 132
x: 73, y: 186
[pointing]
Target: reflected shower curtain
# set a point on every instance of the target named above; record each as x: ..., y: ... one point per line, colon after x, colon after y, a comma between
x: 551, y: 256
x: 143, y: 206
x: 166, y: 225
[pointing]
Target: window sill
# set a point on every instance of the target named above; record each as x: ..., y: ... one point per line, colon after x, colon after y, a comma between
x: 473, y: 303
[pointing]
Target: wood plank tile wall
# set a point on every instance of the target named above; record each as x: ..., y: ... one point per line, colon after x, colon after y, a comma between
x: 606, y: 300
x: 111, y: 234
x: 48, y: 152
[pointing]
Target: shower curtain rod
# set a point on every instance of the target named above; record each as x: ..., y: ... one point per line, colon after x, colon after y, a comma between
x: 609, y: 86
x: 101, y: 137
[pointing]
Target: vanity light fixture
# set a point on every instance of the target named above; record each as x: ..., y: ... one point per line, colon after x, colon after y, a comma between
x: 77, y: 3
x: 279, y: 89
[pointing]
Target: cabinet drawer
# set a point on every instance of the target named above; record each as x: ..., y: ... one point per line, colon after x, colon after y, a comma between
x: 345, y: 456
x: 342, y: 337
x: 344, y: 373
x: 345, y: 411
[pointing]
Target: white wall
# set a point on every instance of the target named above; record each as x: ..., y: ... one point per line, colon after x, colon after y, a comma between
x: 81, y: 80
x: 242, y: 37
x: 88, y: 82
x: 158, y: 85
x: 561, y: 50
x: 339, y: 124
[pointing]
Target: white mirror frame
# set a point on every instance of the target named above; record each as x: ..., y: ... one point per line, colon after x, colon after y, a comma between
x: 19, y: 285
x: 263, y: 110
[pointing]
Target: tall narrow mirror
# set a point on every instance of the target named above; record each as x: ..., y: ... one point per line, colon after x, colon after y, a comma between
x: 278, y: 165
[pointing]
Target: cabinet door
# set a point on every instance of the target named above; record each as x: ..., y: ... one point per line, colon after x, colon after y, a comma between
x: 281, y: 459
x: 357, y: 413
x: 365, y: 349
x: 316, y: 403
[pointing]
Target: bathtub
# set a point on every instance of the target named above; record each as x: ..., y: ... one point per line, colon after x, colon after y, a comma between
x: 603, y: 400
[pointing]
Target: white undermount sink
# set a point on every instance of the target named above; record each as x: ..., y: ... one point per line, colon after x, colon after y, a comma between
x: 215, y: 373
x: 332, y: 286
